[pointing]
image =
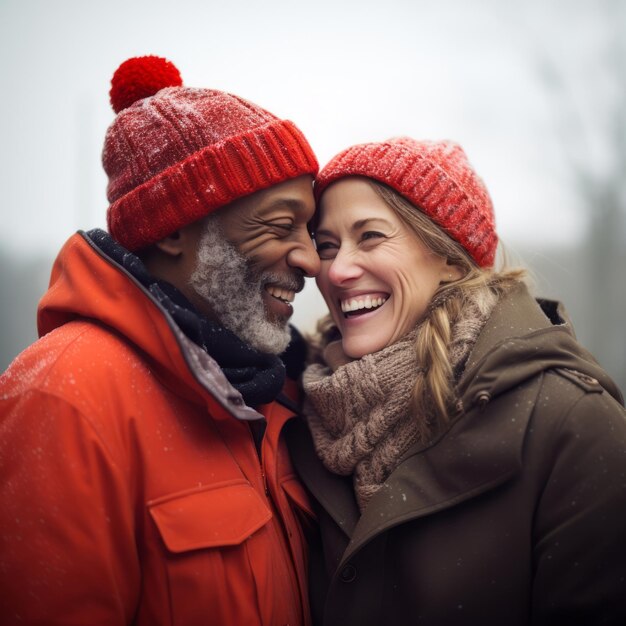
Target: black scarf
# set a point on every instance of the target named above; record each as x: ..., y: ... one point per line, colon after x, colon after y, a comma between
x: 259, y: 377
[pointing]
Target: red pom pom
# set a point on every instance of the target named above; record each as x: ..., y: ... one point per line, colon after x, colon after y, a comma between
x: 141, y: 77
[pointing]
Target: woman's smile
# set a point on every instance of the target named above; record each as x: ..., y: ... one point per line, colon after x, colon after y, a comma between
x: 362, y: 304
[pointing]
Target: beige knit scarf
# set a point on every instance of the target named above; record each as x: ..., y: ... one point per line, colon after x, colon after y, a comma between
x: 360, y: 415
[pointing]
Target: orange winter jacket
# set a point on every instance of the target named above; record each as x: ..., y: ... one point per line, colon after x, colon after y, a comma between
x: 131, y: 488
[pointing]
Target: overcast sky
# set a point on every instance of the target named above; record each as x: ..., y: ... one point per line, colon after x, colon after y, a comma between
x: 344, y: 72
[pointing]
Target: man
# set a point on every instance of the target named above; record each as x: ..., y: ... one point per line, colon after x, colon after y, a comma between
x: 144, y: 478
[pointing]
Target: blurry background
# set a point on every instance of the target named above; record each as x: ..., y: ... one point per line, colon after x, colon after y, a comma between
x: 535, y: 91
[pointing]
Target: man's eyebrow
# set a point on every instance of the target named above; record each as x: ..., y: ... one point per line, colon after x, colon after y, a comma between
x: 287, y: 203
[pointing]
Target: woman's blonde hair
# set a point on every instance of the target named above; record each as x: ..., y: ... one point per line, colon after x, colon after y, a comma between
x: 434, y: 393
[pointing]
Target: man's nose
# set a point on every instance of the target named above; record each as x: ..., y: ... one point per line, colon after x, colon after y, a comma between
x: 303, y: 255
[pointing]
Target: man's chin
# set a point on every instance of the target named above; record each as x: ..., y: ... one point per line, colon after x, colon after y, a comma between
x: 270, y: 337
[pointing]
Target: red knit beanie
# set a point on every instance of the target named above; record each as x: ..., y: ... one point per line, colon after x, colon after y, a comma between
x: 436, y: 177
x: 174, y: 154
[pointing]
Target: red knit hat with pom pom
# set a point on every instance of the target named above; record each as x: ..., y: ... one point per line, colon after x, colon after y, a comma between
x: 174, y: 154
x: 436, y: 177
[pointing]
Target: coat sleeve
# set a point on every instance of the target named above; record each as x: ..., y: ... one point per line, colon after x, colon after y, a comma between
x: 67, y: 553
x: 580, y: 523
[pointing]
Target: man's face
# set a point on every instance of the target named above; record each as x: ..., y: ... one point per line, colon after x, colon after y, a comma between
x: 251, y: 260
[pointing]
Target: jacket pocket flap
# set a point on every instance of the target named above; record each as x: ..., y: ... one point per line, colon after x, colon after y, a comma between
x: 223, y: 515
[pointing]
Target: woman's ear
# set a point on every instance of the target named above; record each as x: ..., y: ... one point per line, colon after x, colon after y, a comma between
x: 451, y: 273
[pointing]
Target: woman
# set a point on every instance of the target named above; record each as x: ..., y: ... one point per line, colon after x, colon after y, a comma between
x: 467, y: 455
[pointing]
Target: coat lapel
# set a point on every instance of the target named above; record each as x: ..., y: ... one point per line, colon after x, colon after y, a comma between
x: 481, y: 450
x: 335, y: 493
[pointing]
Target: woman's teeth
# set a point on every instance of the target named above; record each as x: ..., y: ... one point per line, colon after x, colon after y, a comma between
x: 356, y: 304
x: 286, y: 295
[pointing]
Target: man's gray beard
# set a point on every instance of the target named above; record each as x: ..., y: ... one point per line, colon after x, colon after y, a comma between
x: 223, y: 278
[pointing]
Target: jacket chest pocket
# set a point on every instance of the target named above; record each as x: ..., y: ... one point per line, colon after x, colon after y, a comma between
x: 211, y: 539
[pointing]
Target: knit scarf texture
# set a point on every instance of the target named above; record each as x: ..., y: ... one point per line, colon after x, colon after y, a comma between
x: 360, y: 414
x: 259, y: 377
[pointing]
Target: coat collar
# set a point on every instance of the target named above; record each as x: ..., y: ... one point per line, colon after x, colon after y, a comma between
x: 522, y: 338
x: 479, y: 451
x: 87, y: 283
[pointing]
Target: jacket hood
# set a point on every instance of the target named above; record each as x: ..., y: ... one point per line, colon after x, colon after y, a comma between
x: 522, y: 338
x: 86, y: 283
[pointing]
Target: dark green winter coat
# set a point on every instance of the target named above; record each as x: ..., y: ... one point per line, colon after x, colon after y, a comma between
x: 515, y: 515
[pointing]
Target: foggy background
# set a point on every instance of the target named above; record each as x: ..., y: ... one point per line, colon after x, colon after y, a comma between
x: 535, y: 92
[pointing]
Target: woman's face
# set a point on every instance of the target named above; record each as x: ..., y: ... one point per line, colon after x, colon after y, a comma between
x: 376, y: 276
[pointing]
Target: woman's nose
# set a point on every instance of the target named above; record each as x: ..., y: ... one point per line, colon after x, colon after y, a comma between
x: 344, y: 267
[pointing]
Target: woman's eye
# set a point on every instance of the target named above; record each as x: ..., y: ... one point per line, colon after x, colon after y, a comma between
x: 371, y: 234
x: 326, y: 249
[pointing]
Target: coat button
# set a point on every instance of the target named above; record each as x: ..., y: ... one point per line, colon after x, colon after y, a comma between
x: 482, y: 398
x: 348, y: 573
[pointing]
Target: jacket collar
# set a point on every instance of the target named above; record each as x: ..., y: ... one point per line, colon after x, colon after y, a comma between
x: 87, y: 284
